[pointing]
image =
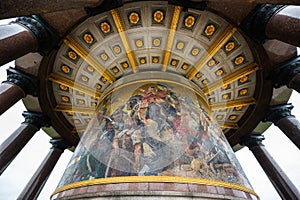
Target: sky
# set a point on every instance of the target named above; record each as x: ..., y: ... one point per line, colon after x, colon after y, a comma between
x: 19, y: 172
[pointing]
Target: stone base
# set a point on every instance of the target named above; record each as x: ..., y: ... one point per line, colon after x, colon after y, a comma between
x: 152, y: 191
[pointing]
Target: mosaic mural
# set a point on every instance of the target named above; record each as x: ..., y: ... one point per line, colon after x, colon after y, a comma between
x: 153, y: 129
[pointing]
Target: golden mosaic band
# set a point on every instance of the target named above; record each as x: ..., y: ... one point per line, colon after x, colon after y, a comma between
x: 76, y: 109
x: 233, y: 103
x: 121, y: 30
x: 228, y: 125
x: 154, y: 179
x: 173, y: 27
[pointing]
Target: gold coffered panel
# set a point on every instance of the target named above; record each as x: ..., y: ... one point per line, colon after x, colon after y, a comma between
x: 70, y: 42
x: 154, y: 36
x: 232, y: 104
x: 216, y: 46
x: 121, y: 30
x: 71, y: 84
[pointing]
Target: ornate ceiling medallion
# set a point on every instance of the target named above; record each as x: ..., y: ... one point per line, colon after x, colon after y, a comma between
x: 139, y: 43
x: 243, y: 92
x: 115, y: 70
x: 72, y: 55
x: 195, y: 51
x: 243, y: 79
x: 90, y: 69
x: 210, y: 30
x: 219, y: 72
x: 180, y: 45
x: 189, y: 21
x: 63, y: 87
x: 229, y: 46
x: 65, y: 99
x: 105, y: 27
x: 125, y: 65
x: 104, y: 56
x: 174, y: 62
x: 88, y: 38
x: 117, y: 49
x: 158, y: 16
x: 156, y: 42
x: 198, y: 75
x: 232, y: 117
x: 239, y: 60
x: 134, y: 18
x: 155, y: 59
x: 211, y: 63
x: 65, y: 69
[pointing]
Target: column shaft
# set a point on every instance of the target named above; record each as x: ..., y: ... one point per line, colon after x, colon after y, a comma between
x: 281, y: 116
x: 279, y: 179
x: 18, y: 85
x: 291, y: 128
x: 10, y: 148
x: 285, y: 25
x: 38, y: 180
x: 295, y: 83
x: 9, y: 95
x: 16, y: 41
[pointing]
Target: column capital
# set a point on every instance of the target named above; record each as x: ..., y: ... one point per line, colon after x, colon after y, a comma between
x: 28, y: 82
x: 37, y: 119
x: 286, y: 71
x: 277, y: 112
x: 252, y: 140
x: 255, y: 23
x: 60, y: 144
x: 47, y: 38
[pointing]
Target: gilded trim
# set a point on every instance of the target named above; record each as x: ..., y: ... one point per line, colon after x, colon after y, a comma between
x: 231, y: 125
x: 154, y: 179
x: 213, y: 49
x: 75, y: 46
x: 66, y: 108
x: 170, y: 40
x: 234, y: 103
x: 76, y: 86
x: 121, y: 30
x: 253, y: 67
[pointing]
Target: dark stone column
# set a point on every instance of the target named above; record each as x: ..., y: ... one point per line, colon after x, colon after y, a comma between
x: 17, y: 86
x: 285, y: 188
x: 25, y: 35
x: 285, y: 25
x: 254, y: 25
x: 38, y: 180
x: 281, y: 116
x: 16, y: 41
x: 10, y: 148
x: 288, y: 73
x: 269, y: 21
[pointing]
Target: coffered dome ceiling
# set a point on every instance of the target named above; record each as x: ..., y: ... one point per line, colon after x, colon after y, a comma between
x: 155, y: 36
